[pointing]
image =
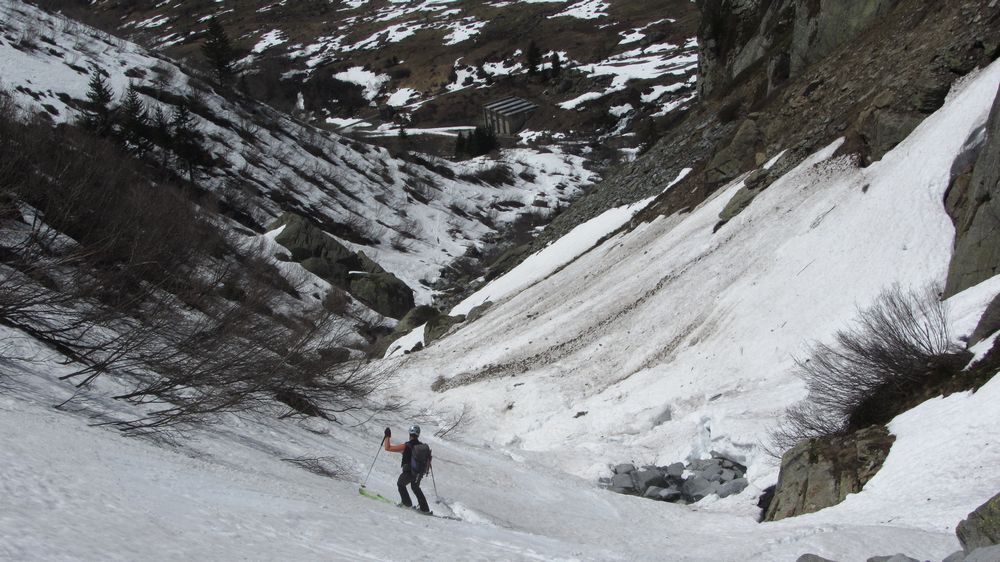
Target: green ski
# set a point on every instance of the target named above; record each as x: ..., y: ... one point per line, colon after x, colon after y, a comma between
x: 369, y: 494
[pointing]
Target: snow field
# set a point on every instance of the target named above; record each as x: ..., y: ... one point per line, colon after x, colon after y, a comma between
x: 676, y: 342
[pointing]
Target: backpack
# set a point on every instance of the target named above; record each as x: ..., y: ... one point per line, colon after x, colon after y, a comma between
x: 420, y: 459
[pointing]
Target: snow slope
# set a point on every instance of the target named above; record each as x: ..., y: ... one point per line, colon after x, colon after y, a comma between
x: 674, y: 341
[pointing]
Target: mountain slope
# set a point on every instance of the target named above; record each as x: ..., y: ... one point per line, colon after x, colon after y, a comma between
x: 434, y: 64
x: 413, y: 216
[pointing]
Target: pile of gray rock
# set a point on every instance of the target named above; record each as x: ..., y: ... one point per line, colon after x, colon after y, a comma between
x: 680, y: 483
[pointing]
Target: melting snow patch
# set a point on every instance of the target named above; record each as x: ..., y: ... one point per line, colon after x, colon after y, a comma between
x: 268, y: 40
x: 399, y: 98
x: 462, y: 31
x: 619, y: 110
x: 585, y: 10
x: 370, y: 81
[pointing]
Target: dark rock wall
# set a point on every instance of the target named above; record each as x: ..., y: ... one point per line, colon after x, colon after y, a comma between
x: 977, y: 218
x: 779, y: 37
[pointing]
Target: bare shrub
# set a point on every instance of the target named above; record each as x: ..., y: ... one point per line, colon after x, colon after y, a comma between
x: 328, y: 467
x: 497, y: 174
x: 899, y: 348
x: 455, y: 423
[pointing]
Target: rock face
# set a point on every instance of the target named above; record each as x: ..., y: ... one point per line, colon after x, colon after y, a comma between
x: 319, y: 253
x: 988, y: 323
x: 785, y: 36
x: 821, y: 472
x: 383, y: 292
x: 977, y: 221
x: 982, y: 527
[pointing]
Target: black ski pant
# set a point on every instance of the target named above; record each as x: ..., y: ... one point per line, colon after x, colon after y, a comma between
x: 407, y: 477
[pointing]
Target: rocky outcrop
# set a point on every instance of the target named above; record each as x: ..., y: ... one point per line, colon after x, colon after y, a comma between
x: 743, y: 152
x: 439, y: 326
x: 982, y: 527
x: 820, y: 472
x: 317, y: 252
x: 720, y: 476
x: 354, y: 272
x: 974, y: 199
x: 881, y: 127
x: 383, y: 292
x: 781, y: 37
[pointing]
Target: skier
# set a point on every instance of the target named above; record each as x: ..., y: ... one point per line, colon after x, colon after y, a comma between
x: 409, y: 475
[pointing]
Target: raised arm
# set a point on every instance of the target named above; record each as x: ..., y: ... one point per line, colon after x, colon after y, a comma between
x: 388, y: 443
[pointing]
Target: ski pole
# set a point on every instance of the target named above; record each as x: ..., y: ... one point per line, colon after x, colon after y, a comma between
x: 434, y: 481
x: 379, y: 450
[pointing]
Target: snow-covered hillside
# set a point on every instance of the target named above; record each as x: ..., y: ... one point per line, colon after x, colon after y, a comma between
x: 409, y: 55
x: 412, y: 216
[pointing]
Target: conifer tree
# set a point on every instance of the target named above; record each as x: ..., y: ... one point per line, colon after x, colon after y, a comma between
x: 160, y: 134
x: 98, y: 115
x: 460, y: 145
x: 218, y: 49
x: 134, y: 127
x: 556, y: 64
x: 186, y: 139
x: 533, y: 58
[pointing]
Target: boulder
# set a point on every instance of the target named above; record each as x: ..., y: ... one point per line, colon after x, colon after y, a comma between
x: 652, y: 492
x: 647, y: 478
x: 893, y: 558
x: 382, y: 292
x: 881, y: 129
x: 712, y: 473
x: 985, y: 554
x: 697, y: 488
x: 982, y: 527
x: 732, y: 488
x: 439, y: 326
x: 737, y: 156
x: 670, y: 494
x: 728, y: 474
x: 977, y: 225
x: 812, y: 558
x: 625, y: 468
x: 675, y: 470
x: 477, y: 311
x: 820, y: 472
x: 622, y: 483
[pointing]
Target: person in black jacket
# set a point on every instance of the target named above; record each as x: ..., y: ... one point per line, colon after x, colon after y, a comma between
x: 407, y: 477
